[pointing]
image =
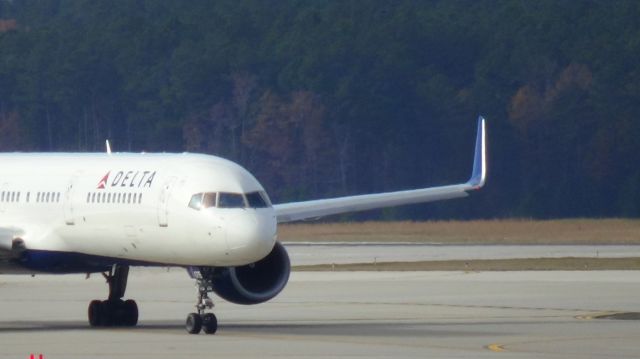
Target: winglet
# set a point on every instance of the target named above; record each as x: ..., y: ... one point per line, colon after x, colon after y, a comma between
x: 479, y: 174
x: 108, y: 147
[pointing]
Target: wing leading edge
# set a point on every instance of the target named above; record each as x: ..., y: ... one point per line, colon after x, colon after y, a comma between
x: 7, y: 234
x: 295, y: 211
x: 6, y: 237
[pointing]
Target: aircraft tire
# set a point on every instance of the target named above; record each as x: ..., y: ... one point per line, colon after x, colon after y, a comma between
x: 194, y: 323
x: 106, y: 314
x: 130, y: 313
x: 209, y: 323
x: 94, y: 313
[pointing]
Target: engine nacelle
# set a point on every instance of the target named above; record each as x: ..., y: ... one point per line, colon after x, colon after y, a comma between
x: 256, y: 282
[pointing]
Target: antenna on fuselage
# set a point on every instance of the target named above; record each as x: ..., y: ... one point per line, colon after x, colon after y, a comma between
x: 108, y: 146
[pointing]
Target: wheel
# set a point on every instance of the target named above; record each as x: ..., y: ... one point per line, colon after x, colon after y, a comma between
x: 209, y: 323
x: 106, y: 313
x: 131, y: 313
x: 194, y: 323
x: 118, y: 313
x: 94, y: 313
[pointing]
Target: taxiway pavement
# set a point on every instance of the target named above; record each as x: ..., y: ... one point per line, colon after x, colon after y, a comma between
x: 310, y: 253
x: 337, y: 314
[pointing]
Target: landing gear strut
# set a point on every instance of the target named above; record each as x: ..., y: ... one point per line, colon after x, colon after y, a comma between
x: 114, y: 311
x: 206, y: 322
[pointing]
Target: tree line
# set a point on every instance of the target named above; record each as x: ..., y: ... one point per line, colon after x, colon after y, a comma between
x: 325, y: 98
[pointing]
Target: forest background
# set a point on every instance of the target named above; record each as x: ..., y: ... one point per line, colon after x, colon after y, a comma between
x: 329, y: 98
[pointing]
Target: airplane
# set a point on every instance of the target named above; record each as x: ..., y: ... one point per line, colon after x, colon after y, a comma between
x: 63, y: 213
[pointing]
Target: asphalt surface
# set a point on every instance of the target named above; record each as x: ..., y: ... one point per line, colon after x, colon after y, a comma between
x: 339, y: 253
x: 338, y: 314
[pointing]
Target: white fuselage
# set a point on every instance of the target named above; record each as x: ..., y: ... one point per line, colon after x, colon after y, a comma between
x: 134, y: 207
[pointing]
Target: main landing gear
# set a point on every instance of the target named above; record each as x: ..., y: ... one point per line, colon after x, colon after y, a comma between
x: 206, y: 322
x: 114, y: 311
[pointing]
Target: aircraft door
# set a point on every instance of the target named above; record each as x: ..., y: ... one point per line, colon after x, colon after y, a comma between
x: 218, y: 234
x: 163, y: 202
x: 69, y: 217
x: 3, y: 187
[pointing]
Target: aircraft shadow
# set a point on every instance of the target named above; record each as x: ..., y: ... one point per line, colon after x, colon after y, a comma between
x: 280, y: 328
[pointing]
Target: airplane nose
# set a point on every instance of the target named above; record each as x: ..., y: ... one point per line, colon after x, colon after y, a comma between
x: 251, y: 235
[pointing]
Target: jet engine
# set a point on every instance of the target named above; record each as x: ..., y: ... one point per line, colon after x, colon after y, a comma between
x: 256, y: 282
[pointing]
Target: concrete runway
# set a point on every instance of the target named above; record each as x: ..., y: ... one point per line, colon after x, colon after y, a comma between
x: 340, y: 253
x: 361, y: 314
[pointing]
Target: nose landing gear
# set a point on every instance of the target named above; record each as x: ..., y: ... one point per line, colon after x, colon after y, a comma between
x: 114, y: 311
x: 202, y: 321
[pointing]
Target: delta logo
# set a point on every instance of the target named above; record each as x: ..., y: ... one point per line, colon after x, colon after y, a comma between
x: 131, y: 179
x: 103, y: 181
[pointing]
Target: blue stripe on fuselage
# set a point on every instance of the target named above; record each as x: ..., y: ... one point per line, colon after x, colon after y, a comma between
x: 70, y: 262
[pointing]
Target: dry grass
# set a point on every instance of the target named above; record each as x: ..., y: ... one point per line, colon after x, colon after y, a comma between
x: 574, y: 231
x: 526, y: 264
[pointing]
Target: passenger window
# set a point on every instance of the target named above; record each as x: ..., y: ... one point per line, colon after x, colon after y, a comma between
x: 255, y: 200
x: 230, y: 200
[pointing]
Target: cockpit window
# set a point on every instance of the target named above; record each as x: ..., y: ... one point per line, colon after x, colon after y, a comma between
x: 196, y: 201
x: 209, y: 200
x: 203, y: 200
x: 256, y: 200
x: 230, y: 200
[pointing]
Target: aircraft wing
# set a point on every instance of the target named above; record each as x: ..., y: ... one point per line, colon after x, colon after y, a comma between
x: 294, y: 211
x: 6, y: 238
